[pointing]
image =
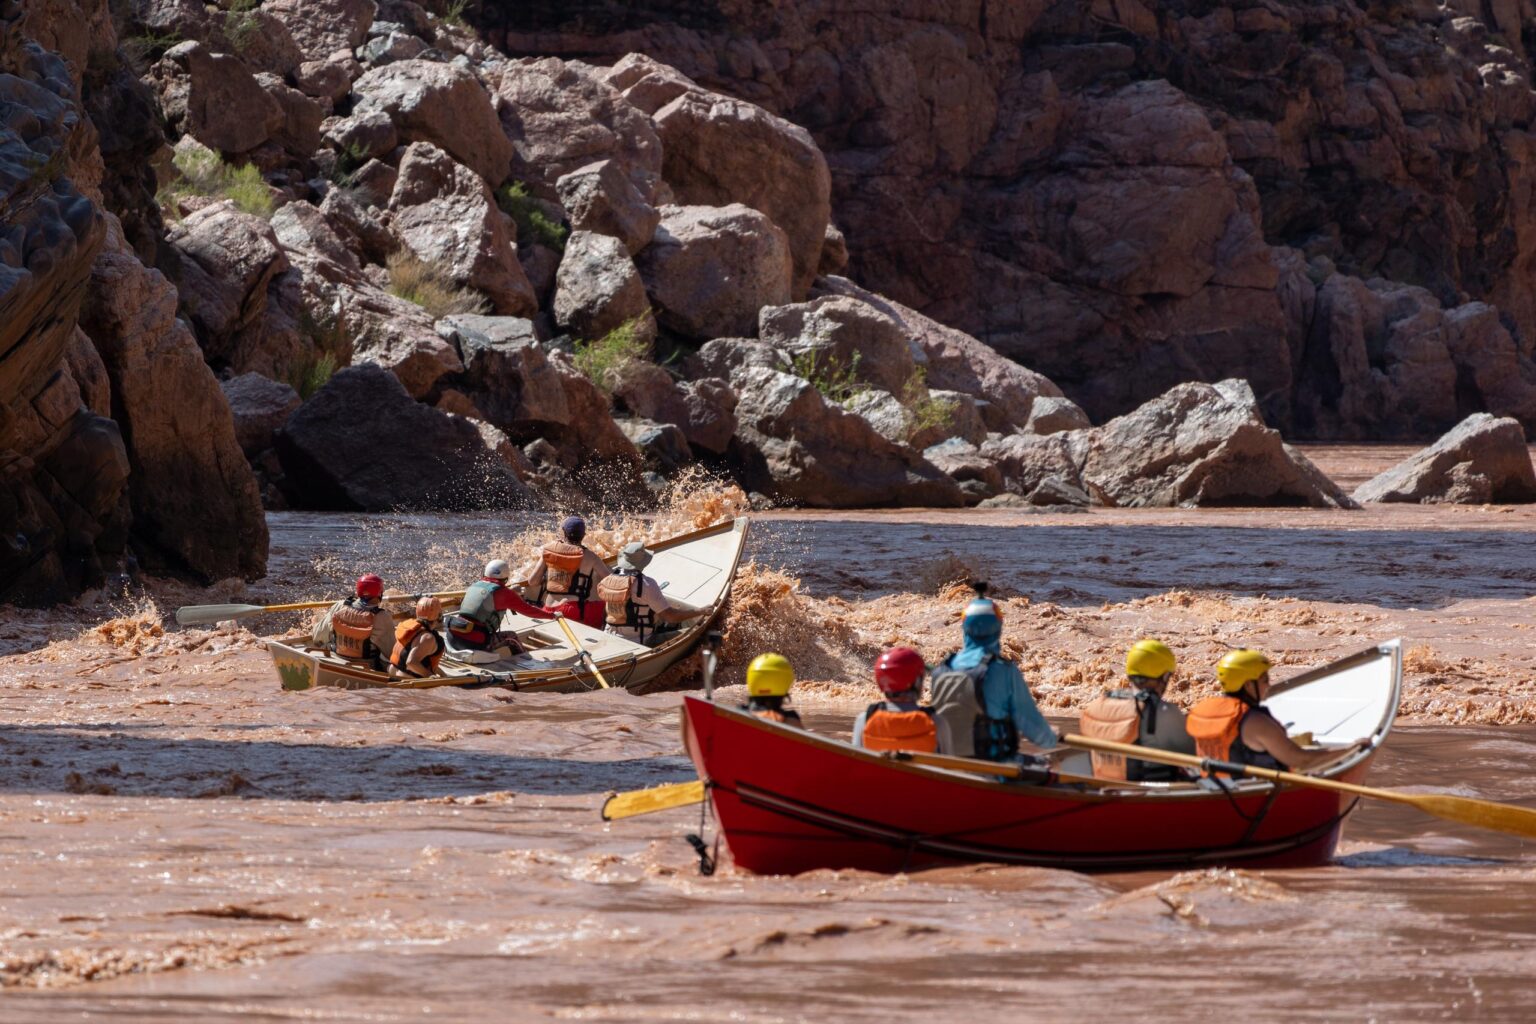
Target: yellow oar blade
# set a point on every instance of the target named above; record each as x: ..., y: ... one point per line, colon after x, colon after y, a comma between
x: 648, y: 801
x: 1517, y: 821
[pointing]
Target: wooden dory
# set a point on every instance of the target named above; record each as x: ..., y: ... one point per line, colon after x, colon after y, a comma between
x: 696, y: 568
x: 789, y: 801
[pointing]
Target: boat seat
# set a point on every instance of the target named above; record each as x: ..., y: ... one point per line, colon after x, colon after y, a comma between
x: 456, y: 650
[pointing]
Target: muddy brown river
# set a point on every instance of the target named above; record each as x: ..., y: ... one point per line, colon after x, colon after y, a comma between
x: 182, y: 840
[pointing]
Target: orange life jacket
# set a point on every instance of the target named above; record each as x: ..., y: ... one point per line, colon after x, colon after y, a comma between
x: 562, y: 570
x: 885, y: 729
x: 617, y: 594
x: 1214, y: 725
x: 1111, y: 718
x: 405, y: 635
x: 352, y: 630
x: 780, y: 714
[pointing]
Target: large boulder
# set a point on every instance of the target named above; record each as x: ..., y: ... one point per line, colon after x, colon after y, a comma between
x: 214, y: 98
x: 331, y: 451
x: 361, y: 136
x: 598, y: 289
x: 507, y: 374
x: 227, y: 259
x: 260, y: 408
x: 370, y: 324
x: 710, y: 270
x: 442, y: 104
x: 1199, y: 444
x: 561, y: 117
x: 321, y: 28
x: 719, y: 150
x: 816, y: 453
x: 839, y: 334
x: 444, y: 213
x: 1483, y: 459
x: 196, y: 506
x: 600, y: 197
x: 955, y: 361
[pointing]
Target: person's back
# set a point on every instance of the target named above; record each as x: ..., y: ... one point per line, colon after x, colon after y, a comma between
x: 566, y: 574
x: 981, y: 703
x: 769, y: 678
x: 358, y: 628
x: 419, y: 646
x: 634, y: 606
x: 900, y: 721
x: 477, y: 623
x: 1138, y: 714
x: 1238, y: 728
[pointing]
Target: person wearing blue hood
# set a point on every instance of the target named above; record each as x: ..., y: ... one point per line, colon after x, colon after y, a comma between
x: 981, y: 705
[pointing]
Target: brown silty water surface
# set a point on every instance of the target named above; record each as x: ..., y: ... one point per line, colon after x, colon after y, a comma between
x: 182, y: 840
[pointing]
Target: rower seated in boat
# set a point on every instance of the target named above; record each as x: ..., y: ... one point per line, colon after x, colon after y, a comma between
x: 1138, y: 714
x: 418, y: 644
x: 981, y: 704
x: 1237, y: 727
x: 565, y: 576
x: 901, y: 721
x: 769, y: 678
x: 358, y: 628
x: 634, y: 606
x: 477, y: 623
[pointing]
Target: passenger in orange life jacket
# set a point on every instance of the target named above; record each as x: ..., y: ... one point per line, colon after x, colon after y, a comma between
x: 418, y: 644
x: 565, y: 576
x: 634, y: 606
x: 769, y: 678
x: 1238, y: 727
x: 900, y: 722
x: 358, y: 628
x: 1138, y: 714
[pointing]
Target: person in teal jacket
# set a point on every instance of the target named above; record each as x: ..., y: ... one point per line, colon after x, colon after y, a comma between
x: 1007, y: 711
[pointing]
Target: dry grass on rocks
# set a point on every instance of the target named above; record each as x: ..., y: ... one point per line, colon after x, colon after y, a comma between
x: 418, y: 281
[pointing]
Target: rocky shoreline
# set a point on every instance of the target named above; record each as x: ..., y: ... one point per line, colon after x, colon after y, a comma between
x: 347, y: 255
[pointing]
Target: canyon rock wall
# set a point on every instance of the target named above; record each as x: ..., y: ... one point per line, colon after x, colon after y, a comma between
x: 1313, y: 195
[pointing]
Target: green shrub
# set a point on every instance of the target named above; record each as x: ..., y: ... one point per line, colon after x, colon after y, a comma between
x: 240, y: 25
x: 349, y: 160
x: 327, y: 335
x: 605, y: 361
x: 453, y: 14
x: 310, y: 376
x: 142, y: 50
x: 837, y: 382
x: 418, y: 281
x: 533, y: 224
x: 928, y: 413
x: 203, y: 172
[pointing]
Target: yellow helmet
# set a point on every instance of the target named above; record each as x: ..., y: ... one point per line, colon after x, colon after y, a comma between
x: 770, y: 675
x: 1237, y: 669
x: 1149, y: 658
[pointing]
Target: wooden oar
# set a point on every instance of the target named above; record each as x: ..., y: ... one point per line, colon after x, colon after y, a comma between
x: 648, y: 801
x: 1520, y: 821
x: 585, y: 654
x: 994, y: 768
x: 205, y: 614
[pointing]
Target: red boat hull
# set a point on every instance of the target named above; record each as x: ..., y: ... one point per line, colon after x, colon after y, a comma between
x: 790, y: 801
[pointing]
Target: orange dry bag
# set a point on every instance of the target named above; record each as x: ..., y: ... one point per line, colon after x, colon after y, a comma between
x: 1213, y: 724
x: 1111, y: 718
x: 885, y: 729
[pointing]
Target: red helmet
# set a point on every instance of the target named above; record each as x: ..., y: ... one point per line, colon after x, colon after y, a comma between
x: 898, y: 670
x: 370, y: 586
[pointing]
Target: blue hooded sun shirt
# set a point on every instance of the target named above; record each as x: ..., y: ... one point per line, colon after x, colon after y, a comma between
x: 1003, y: 690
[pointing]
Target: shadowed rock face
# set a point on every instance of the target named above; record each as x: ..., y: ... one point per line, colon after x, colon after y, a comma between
x: 1129, y: 195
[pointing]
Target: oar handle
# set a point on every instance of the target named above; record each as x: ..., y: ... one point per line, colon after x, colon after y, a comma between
x: 581, y: 651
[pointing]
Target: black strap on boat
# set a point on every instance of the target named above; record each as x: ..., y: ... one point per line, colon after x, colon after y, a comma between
x: 1211, y: 766
x: 707, y: 860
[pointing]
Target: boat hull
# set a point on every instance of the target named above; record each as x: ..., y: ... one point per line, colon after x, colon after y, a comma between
x: 788, y: 801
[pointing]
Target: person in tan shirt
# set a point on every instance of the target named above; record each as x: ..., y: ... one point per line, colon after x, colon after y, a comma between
x: 552, y: 581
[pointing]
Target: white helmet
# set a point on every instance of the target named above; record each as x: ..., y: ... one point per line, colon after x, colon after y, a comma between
x: 496, y: 569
